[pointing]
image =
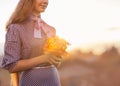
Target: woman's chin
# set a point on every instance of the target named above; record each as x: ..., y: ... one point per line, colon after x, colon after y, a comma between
x: 42, y: 10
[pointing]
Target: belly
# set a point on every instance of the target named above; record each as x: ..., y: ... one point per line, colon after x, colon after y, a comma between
x: 40, y: 76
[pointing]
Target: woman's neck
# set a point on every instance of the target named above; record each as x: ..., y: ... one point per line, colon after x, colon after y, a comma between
x: 36, y: 13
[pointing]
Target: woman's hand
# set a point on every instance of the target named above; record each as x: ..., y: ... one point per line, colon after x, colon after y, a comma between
x: 56, y: 61
x: 52, y: 59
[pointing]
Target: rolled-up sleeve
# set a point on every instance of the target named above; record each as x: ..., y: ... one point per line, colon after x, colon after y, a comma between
x: 12, y: 47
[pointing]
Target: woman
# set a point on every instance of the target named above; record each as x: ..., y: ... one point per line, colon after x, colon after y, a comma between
x: 25, y: 38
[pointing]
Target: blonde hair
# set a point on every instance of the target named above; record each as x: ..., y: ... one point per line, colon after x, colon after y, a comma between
x: 22, y: 11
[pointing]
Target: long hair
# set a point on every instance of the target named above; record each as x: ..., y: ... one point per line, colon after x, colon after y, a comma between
x: 22, y: 11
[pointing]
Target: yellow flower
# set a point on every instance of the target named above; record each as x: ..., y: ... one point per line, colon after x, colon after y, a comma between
x: 56, y: 46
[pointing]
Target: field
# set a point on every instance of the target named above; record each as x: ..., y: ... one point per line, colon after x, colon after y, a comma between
x: 87, y: 69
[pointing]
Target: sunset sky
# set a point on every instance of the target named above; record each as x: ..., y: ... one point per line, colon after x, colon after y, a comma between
x: 82, y: 22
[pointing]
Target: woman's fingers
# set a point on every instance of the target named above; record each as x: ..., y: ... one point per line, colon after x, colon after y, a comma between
x: 55, y: 60
x: 51, y: 59
x: 58, y: 64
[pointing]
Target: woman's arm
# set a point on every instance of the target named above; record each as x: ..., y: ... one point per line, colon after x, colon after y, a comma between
x: 22, y: 65
x: 33, y: 62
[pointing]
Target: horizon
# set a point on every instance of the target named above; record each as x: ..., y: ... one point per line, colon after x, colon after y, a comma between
x: 96, y: 49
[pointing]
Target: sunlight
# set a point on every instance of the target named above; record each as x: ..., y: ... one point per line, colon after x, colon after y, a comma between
x: 82, y: 22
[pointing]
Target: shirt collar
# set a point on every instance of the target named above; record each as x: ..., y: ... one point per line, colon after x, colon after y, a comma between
x: 33, y: 17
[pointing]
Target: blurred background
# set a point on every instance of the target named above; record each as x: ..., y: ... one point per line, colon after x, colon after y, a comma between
x: 93, y: 29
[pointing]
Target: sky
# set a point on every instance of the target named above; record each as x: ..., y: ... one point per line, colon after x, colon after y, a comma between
x: 83, y: 23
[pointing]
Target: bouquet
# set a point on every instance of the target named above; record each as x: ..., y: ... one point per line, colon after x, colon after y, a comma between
x: 56, y: 46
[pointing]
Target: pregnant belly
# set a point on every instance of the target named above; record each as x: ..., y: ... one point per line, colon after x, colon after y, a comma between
x: 40, y: 74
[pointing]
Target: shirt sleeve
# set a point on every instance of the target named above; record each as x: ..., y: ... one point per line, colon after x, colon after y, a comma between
x: 12, y: 47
